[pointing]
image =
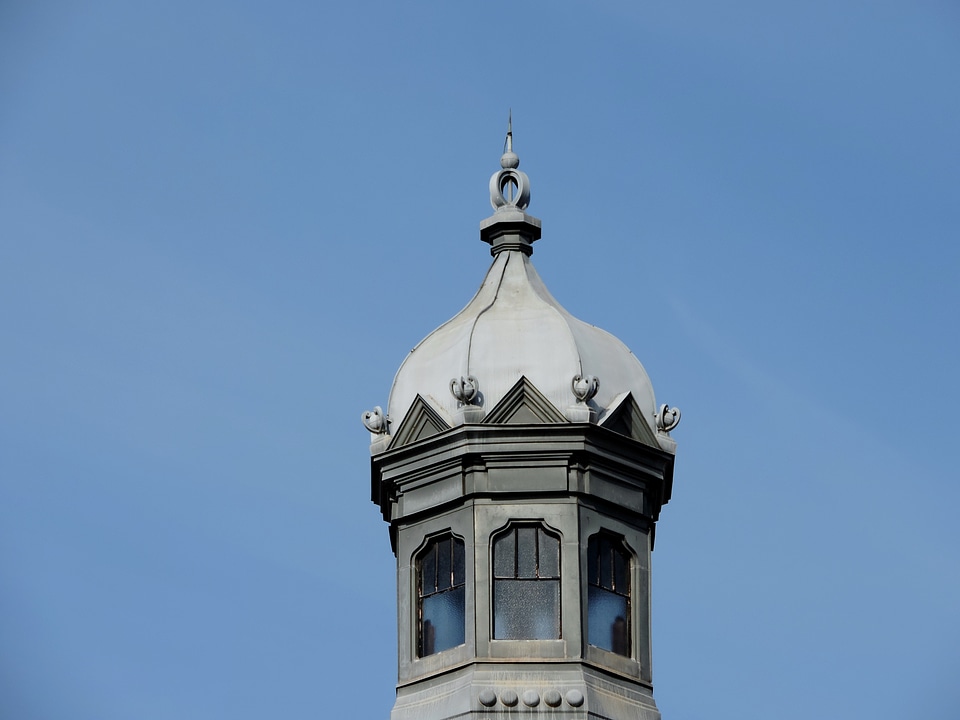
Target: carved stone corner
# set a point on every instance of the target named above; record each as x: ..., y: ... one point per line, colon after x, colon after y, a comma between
x: 667, y: 443
x: 379, y: 443
x: 468, y: 415
x: 580, y: 413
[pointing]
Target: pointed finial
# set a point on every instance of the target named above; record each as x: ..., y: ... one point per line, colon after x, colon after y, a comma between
x: 509, y: 158
x: 510, y: 228
x: 509, y: 188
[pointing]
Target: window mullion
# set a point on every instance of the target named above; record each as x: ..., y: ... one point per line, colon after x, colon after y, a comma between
x: 536, y: 552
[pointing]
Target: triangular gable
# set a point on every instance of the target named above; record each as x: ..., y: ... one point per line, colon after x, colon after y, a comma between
x: 421, y: 421
x: 624, y: 417
x: 524, y: 405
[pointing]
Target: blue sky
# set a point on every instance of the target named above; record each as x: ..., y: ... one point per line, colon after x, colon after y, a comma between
x: 223, y: 225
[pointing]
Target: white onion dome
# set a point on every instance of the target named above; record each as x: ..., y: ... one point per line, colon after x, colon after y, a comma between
x: 513, y: 328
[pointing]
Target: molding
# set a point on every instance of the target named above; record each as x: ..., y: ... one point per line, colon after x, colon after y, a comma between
x: 521, y: 460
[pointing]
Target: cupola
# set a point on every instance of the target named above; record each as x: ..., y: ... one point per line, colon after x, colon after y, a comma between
x: 521, y: 464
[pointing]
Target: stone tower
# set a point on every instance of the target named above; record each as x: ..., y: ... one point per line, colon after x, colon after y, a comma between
x: 521, y: 464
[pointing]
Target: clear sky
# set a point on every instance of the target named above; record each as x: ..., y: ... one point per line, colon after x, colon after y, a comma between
x: 224, y: 224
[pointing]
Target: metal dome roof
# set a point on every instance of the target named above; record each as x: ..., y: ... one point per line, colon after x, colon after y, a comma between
x: 513, y: 328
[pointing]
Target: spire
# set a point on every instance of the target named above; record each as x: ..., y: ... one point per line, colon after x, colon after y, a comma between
x: 509, y: 188
x: 509, y: 159
x: 510, y: 228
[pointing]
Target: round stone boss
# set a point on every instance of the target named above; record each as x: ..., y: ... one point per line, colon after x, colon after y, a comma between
x: 552, y: 698
x: 509, y: 698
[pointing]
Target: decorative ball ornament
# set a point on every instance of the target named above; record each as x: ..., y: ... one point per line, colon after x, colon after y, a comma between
x: 531, y: 698
x: 509, y: 160
x: 585, y: 387
x: 375, y: 421
x: 552, y: 698
x: 465, y: 389
x: 667, y: 418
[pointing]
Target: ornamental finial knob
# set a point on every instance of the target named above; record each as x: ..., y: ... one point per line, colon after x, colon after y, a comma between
x: 465, y: 389
x: 667, y: 418
x: 585, y: 387
x: 375, y: 421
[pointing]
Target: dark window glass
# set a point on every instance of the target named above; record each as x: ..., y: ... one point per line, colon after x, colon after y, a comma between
x: 428, y: 568
x: 608, y: 596
x: 526, y: 584
x: 440, y: 601
x: 605, y: 564
x: 444, y: 566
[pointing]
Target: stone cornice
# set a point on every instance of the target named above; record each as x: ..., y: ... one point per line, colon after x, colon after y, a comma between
x: 495, y: 460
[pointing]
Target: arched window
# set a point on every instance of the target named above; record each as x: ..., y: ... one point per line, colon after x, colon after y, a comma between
x: 526, y: 584
x: 608, y: 599
x: 440, y: 596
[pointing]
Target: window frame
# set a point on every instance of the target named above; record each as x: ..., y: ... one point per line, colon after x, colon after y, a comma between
x: 429, y: 545
x: 541, y: 531
x: 612, y: 586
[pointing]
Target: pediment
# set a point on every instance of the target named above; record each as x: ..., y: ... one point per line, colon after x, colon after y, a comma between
x: 524, y: 405
x: 421, y: 421
x: 625, y: 417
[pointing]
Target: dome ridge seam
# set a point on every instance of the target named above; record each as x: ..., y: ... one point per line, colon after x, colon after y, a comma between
x: 496, y: 295
x: 558, y: 309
